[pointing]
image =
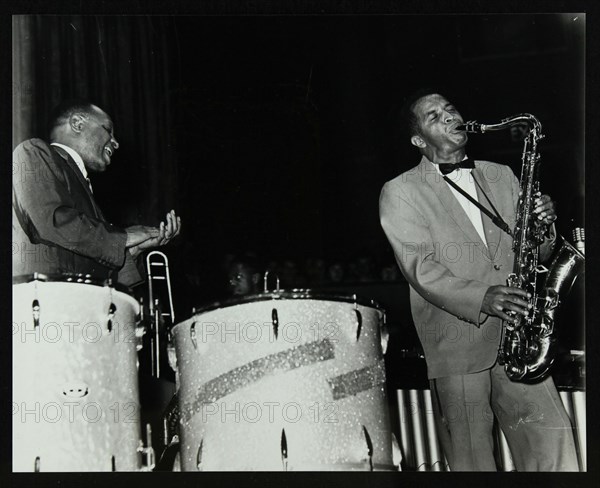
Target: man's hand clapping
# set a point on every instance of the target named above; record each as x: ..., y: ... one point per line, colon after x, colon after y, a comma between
x: 154, y: 237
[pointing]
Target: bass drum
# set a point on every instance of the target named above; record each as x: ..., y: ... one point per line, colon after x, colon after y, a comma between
x: 283, y: 381
x: 75, y: 388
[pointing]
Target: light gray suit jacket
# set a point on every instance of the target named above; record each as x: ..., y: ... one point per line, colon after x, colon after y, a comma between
x: 447, y: 265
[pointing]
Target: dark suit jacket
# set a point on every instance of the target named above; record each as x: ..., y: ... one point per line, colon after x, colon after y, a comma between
x: 57, y: 225
x: 446, y: 263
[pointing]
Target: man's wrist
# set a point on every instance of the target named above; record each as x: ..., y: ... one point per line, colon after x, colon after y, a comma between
x: 135, y: 251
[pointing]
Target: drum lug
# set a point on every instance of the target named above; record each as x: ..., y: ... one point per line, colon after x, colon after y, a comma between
x: 275, y: 321
x: 358, y: 318
x: 193, y: 335
x: 111, y: 315
x: 284, y: 450
x: 35, y: 308
x: 369, y: 447
x: 358, y: 323
x: 383, y: 330
x: 199, y: 456
x: 385, y: 339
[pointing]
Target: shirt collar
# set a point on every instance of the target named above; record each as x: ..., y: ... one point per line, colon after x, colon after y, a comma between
x: 437, y: 167
x: 76, y: 157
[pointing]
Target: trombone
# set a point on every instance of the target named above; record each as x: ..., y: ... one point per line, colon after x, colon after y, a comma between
x: 157, y: 265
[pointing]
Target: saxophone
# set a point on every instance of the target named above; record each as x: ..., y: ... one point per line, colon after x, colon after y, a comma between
x: 528, y: 347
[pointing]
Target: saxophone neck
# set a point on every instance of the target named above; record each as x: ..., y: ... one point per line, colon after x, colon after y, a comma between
x: 531, y: 121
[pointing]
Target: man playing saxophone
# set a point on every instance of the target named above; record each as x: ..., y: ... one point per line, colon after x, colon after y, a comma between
x: 456, y: 259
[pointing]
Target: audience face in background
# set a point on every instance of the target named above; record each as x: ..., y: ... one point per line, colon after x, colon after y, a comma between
x: 336, y: 273
x: 242, y: 279
x: 390, y: 272
x: 290, y: 275
x: 315, y: 270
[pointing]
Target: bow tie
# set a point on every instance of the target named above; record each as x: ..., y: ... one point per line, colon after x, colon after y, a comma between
x: 450, y: 167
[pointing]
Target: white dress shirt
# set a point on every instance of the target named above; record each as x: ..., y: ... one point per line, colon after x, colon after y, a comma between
x: 463, y: 179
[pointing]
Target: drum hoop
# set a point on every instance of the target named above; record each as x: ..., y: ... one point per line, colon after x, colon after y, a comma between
x: 76, y: 278
x: 294, y: 294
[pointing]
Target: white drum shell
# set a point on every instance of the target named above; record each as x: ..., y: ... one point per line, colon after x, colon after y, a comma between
x: 75, y: 387
x: 240, y: 387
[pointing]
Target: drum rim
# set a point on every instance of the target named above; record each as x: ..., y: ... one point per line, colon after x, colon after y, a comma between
x: 293, y: 294
x: 77, y: 278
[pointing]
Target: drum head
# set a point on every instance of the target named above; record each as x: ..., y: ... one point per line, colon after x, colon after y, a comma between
x: 70, y: 278
x: 294, y: 294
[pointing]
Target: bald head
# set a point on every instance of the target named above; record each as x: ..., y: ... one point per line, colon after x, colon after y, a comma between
x: 64, y: 111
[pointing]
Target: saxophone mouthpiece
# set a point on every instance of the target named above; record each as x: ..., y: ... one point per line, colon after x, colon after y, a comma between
x: 470, y: 126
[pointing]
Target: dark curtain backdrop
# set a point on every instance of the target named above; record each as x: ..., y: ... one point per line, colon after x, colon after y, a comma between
x: 120, y: 63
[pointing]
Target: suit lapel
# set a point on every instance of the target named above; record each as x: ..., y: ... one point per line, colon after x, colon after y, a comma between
x: 73, y: 165
x: 492, y: 233
x: 449, y: 202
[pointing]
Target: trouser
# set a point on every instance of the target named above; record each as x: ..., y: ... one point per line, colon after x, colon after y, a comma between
x: 532, y: 417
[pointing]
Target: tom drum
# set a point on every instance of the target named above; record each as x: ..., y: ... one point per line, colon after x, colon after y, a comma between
x: 284, y: 381
x: 75, y: 387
